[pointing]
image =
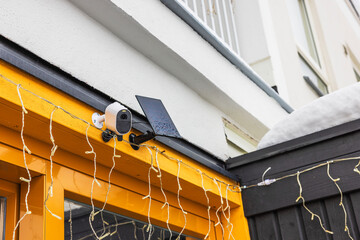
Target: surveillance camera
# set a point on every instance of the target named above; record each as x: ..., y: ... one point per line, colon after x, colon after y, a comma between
x: 117, y: 119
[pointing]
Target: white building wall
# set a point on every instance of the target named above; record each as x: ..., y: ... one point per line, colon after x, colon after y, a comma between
x: 337, y: 35
x: 142, y: 48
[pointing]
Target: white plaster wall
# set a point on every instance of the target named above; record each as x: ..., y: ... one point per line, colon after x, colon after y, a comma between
x: 197, y: 99
x: 339, y: 28
x: 287, y: 63
x: 334, y: 27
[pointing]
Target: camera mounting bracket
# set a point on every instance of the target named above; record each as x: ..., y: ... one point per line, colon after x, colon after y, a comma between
x: 135, y: 141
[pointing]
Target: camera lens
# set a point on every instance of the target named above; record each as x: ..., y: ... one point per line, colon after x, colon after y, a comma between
x: 123, y: 116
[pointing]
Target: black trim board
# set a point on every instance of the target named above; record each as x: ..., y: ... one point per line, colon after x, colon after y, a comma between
x: 50, y: 74
x: 292, y: 156
x: 286, y: 147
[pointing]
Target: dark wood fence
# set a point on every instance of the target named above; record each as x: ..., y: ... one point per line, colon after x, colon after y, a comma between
x: 273, y: 212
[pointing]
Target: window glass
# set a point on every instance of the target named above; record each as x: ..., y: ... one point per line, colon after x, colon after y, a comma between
x: 356, y: 6
x: 238, y: 141
x: 108, y: 225
x: 357, y: 75
x: 316, y: 80
x: 2, y: 217
x: 302, y: 29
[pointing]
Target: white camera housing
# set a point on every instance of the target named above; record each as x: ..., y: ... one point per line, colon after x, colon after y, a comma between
x: 117, y: 119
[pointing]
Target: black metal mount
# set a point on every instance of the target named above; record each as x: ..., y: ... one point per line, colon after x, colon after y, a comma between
x: 108, y: 135
x: 135, y: 141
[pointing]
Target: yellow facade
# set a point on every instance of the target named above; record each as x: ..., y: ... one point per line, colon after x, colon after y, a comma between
x: 73, y: 171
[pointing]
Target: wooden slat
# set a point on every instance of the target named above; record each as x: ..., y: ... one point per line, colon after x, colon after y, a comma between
x: 252, y: 228
x: 336, y: 218
x: 355, y: 200
x: 265, y: 227
x: 312, y: 227
x: 289, y: 224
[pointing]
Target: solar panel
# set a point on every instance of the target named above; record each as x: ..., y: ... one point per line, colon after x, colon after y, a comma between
x: 158, y: 117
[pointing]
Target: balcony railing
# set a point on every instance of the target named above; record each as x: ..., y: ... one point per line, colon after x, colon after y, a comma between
x: 217, y: 17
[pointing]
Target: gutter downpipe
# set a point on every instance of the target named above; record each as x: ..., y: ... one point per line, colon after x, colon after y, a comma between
x: 188, y: 17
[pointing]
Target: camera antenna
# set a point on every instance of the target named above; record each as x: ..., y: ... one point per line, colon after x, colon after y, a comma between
x: 159, y: 120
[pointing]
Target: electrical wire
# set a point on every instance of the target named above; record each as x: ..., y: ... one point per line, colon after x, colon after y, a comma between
x: 235, y: 188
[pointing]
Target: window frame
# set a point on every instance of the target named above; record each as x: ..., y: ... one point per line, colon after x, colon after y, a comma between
x: 242, y: 142
x: 10, y: 191
x: 353, y: 9
x: 319, y: 69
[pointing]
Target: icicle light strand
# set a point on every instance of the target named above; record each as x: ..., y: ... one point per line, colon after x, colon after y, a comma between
x: 208, y: 203
x: 24, y: 150
x: 149, y: 227
x: 70, y: 222
x: 219, y: 222
x: 341, y: 204
x: 271, y: 181
x: 52, y: 153
x: 235, y: 188
x: 222, y: 209
x: 166, y: 203
x: 93, y: 213
x: 227, y: 208
x: 307, y: 209
x: 135, y: 235
x: 178, y: 198
x: 107, y: 228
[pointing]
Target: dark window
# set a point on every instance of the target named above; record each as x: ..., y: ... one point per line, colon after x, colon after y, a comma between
x: 356, y: 6
x: 114, y: 226
x: 2, y: 216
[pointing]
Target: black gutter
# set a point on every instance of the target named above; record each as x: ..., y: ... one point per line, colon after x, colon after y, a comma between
x: 39, y: 68
x: 174, y: 6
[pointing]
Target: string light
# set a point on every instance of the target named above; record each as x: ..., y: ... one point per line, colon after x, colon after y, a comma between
x: 93, y: 214
x: 356, y: 168
x: 149, y: 194
x: 208, y: 203
x: 161, y: 235
x: 107, y: 228
x: 178, y: 198
x: 307, y: 209
x: 166, y: 203
x: 143, y: 232
x: 115, y: 231
x: 70, y: 221
x: 227, y: 208
x: 135, y: 236
x: 24, y: 150
x: 341, y: 199
x: 53, y: 150
x: 142, y: 145
x: 235, y: 188
x: 219, y: 222
x: 221, y: 207
x: 271, y: 181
